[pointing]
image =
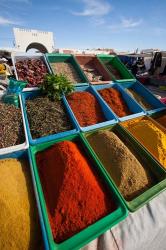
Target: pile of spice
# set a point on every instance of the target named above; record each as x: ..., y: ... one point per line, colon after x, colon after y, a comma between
x: 129, y: 175
x: 46, y: 117
x: 66, y: 68
x: 11, y: 126
x: 162, y: 120
x: 74, y: 196
x: 115, y: 100
x: 31, y: 70
x: 92, y: 73
x: 19, y: 225
x: 140, y: 99
x: 113, y: 70
x: 151, y: 136
x: 86, y: 108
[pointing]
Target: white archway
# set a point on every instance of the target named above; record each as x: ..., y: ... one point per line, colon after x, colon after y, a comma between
x: 26, y: 39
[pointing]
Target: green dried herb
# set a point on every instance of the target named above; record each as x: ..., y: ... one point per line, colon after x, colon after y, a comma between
x: 46, y: 117
x: 11, y: 126
x: 54, y: 86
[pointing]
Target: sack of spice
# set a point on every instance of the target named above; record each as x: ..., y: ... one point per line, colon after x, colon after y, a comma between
x: 75, y: 196
x: 19, y: 225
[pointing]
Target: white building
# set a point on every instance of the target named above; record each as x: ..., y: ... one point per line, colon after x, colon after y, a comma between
x: 26, y: 39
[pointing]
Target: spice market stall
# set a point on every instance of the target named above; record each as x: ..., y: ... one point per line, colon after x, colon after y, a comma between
x: 97, y: 160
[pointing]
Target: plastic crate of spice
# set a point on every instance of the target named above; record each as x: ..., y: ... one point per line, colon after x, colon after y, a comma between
x: 93, y: 69
x: 21, y: 57
x: 21, y: 146
x: 67, y: 65
x: 131, y: 105
x: 143, y: 97
x: 108, y: 116
x: 160, y: 117
x: 156, y: 172
x: 150, y: 135
x: 23, y: 154
x: 92, y: 231
x: 29, y: 96
x: 115, y: 68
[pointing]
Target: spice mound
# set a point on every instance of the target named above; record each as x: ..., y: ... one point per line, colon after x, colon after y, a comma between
x: 115, y: 100
x: 124, y: 168
x: 67, y: 69
x: 86, y: 108
x: 11, y: 126
x: 151, y: 136
x: 92, y: 73
x: 31, y: 70
x: 139, y: 99
x: 46, y: 117
x: 162, y: 120
x: 19, y: 227
x: 113, y: 70
x: 75, y: 197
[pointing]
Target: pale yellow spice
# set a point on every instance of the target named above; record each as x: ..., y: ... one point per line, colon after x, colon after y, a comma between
x: 151, y: 136
x: 19, y: 228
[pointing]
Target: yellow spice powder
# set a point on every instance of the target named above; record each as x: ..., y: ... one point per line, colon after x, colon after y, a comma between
x: 151, y: 136
x: 19, y: 228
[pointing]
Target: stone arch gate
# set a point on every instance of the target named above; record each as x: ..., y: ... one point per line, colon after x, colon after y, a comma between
x: 26, y: 39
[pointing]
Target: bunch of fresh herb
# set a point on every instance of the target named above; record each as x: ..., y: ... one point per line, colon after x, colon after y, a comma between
x: 54, y: 86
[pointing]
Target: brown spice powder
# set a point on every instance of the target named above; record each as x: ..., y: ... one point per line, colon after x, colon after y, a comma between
x: 127, y: 172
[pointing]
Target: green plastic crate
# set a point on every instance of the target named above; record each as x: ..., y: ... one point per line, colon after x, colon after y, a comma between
x: 91, y: 232
x: 146, y: 158
x: 55, y: 58
x: 156, y: 115
x: 114, y: 61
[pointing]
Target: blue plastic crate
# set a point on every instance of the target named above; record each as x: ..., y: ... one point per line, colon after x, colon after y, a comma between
x: 109, y: 115
x: 146, y: 94
x: 32, y: 94
x: 133, y: 106
x: 25, y: 154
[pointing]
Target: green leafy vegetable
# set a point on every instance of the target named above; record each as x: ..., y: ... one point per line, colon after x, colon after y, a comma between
x: 54, y: 86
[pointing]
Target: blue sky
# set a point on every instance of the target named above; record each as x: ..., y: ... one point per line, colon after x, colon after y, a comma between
x: 122, y: 25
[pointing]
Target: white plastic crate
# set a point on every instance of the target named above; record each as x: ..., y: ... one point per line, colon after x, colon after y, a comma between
x: 18, y: 147
x: 21, y: 56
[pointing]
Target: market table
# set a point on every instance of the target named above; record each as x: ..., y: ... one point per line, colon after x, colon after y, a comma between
x: 145, y: 229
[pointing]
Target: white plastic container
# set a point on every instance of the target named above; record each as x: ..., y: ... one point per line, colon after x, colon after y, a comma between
x: 22, y: 56
x: 24, y: 145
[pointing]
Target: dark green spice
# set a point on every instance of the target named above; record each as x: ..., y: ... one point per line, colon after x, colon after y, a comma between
x: 46, y: 117
x: 11, y: 126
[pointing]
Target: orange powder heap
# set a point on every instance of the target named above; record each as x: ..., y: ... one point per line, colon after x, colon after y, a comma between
x: 115, y: 101
x: 74, y: 196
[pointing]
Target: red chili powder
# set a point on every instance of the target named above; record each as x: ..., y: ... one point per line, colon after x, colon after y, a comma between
x: 86, y: 108
x: 115, y: 100
x: 74, y: 196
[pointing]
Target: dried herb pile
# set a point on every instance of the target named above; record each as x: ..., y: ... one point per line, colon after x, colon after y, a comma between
x: 11, y: 126
x: 46, y: 117
x: 67, y: 69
